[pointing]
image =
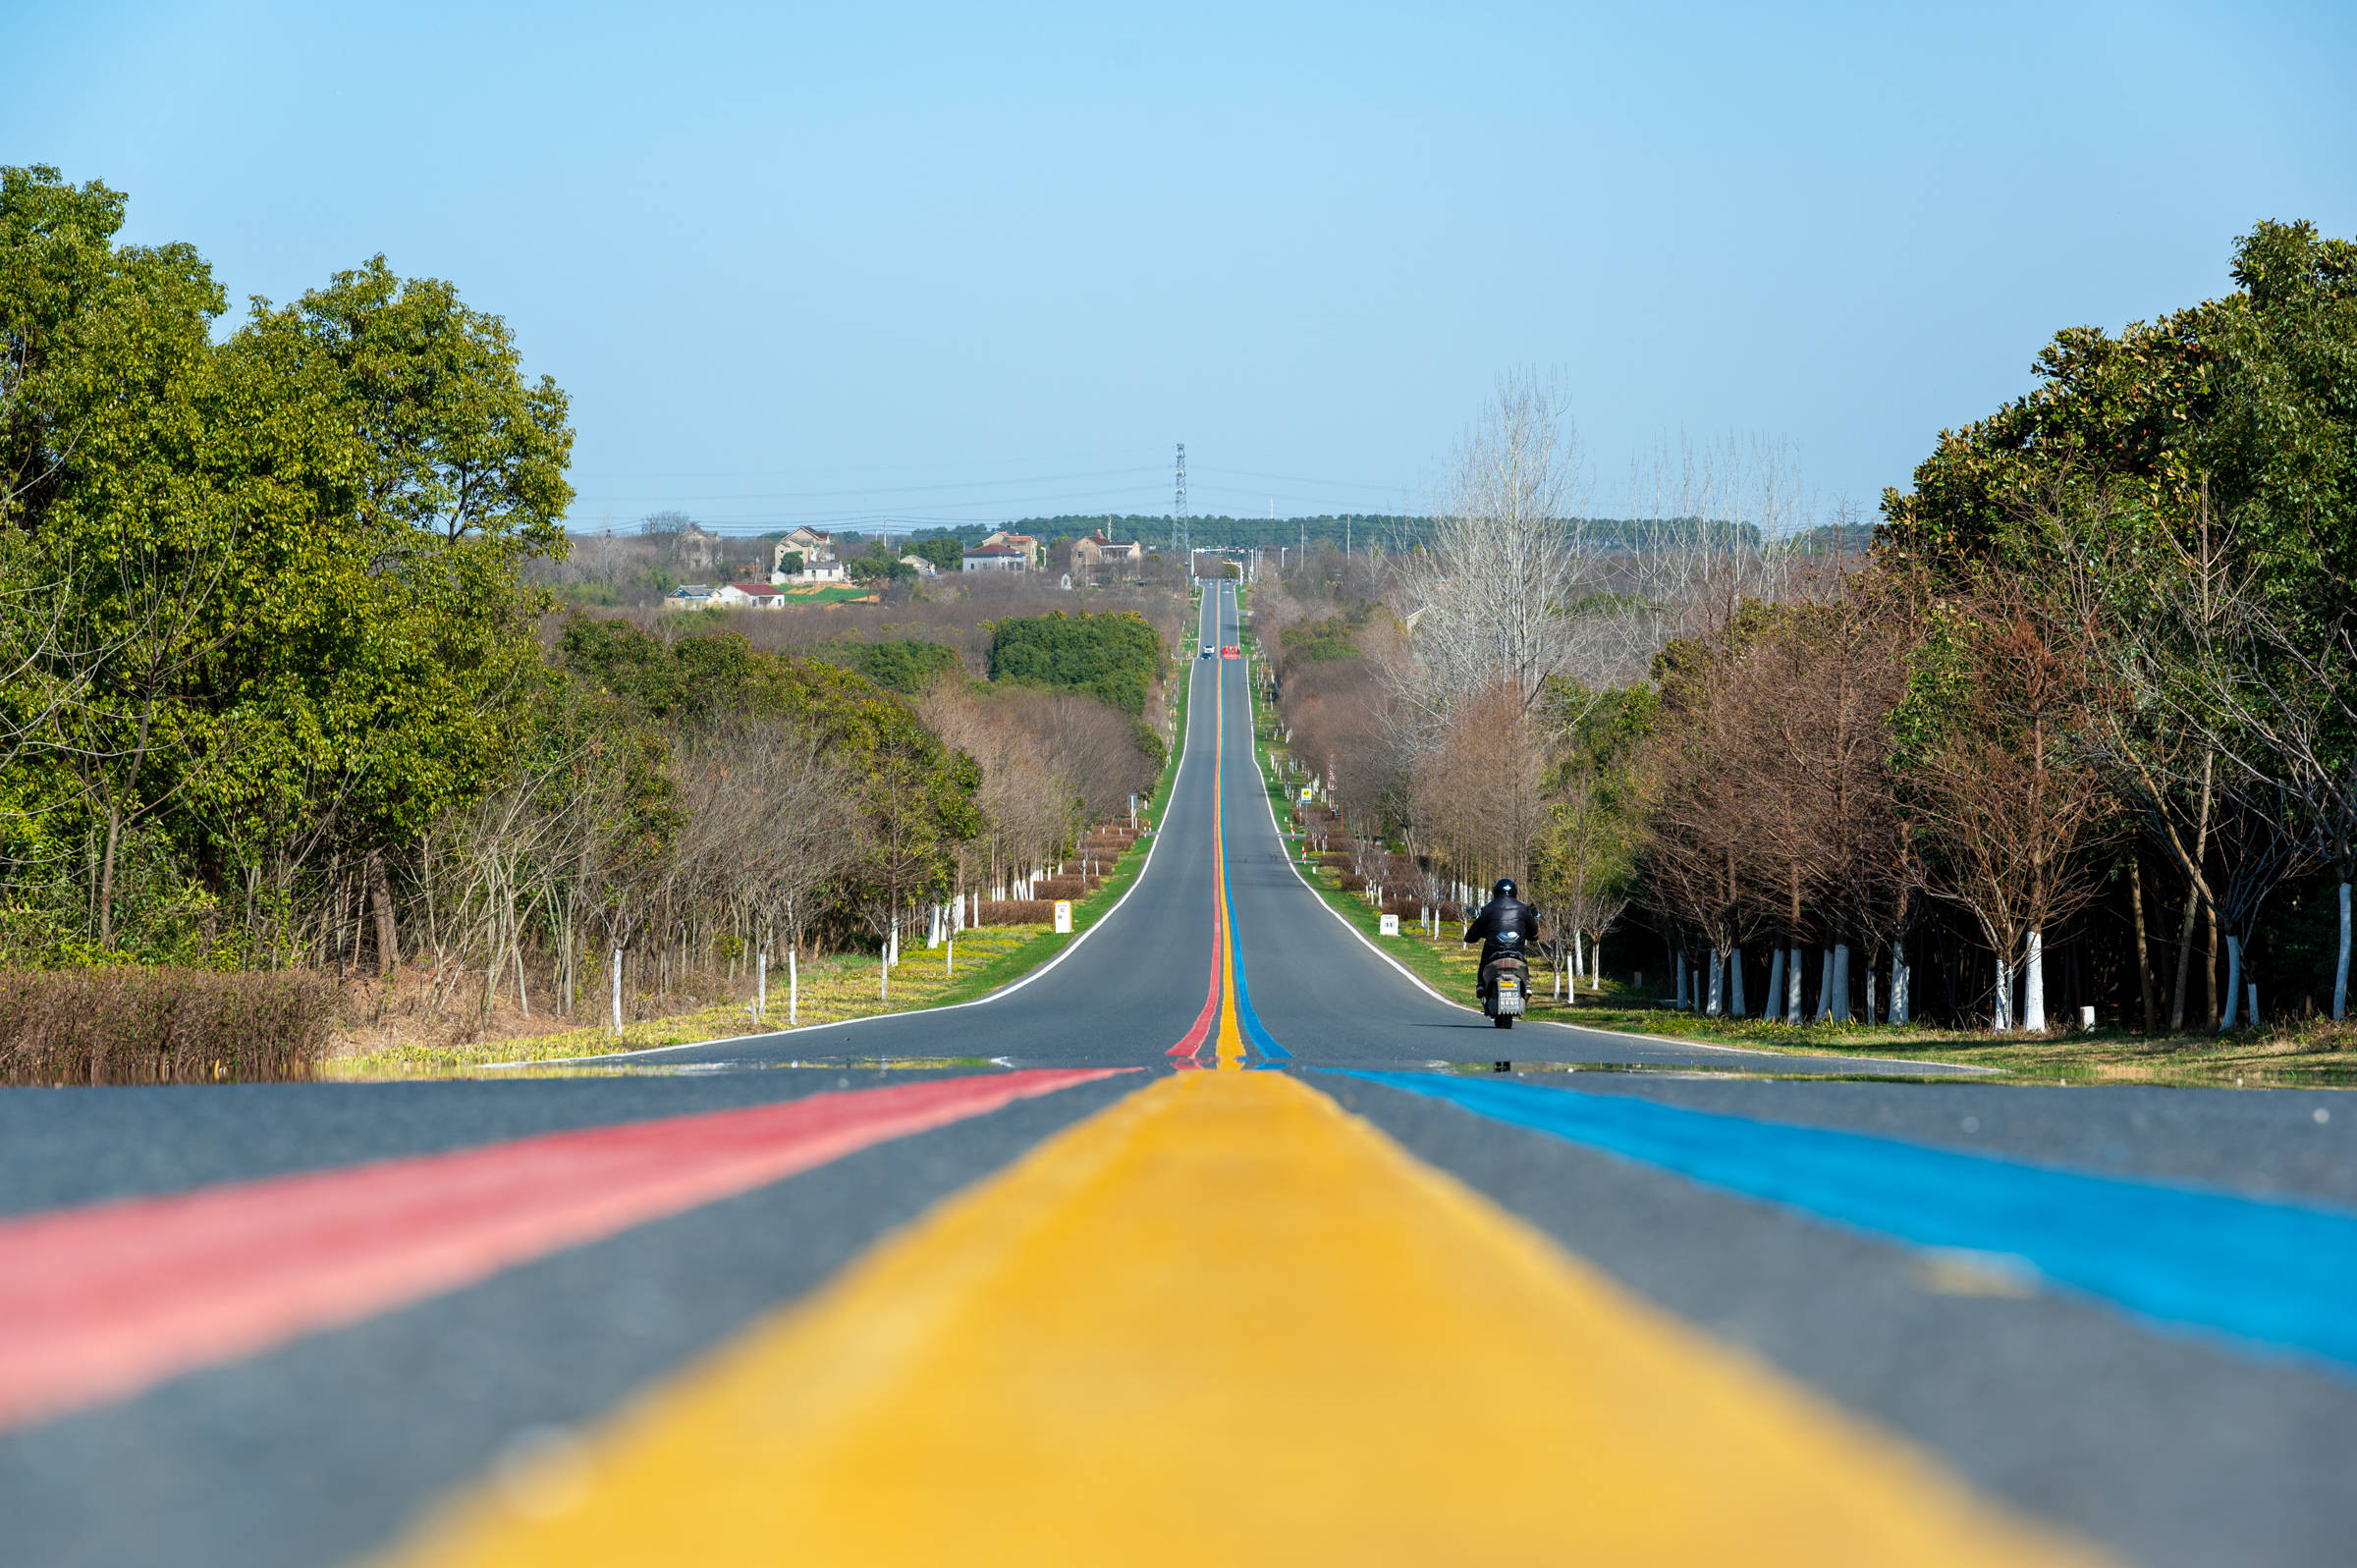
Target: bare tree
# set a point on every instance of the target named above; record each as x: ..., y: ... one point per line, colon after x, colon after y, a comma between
x: 2230, y: 735
x: 1494, y: 596
x: 2007, y: 790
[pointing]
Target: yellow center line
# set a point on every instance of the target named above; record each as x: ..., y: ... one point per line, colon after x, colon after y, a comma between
x: 1228, y: 1053
x: 1225, y: 1322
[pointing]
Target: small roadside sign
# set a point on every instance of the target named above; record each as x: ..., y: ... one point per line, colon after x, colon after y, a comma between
x: 1064, y: 917
x: 1306, y: 791
x: 1391, y: 925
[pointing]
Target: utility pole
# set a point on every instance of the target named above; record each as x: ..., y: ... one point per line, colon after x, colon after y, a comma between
x: 1180, y: 543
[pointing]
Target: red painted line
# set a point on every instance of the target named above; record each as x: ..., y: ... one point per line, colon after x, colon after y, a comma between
x: 99, y: 1302
x: 1192, y: 1040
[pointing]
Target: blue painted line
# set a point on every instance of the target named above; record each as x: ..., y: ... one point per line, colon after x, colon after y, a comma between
x: 1253, y: 1031
x: 2276, y: 1272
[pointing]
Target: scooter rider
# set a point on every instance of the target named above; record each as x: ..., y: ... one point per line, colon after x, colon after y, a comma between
x: 1505, y: 924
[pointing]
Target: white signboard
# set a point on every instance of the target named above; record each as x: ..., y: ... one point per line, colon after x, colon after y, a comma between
x: 1391, y: 925
x: 1305, y: 792
x: 1064, y: 917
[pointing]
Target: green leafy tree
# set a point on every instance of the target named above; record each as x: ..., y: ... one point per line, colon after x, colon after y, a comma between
x: 917, y: 796
x: 1114, y: 657
x: 282, y: 571
x: 908, y: 666
x: 945, y: 550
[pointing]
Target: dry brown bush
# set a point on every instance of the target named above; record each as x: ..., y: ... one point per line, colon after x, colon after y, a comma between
x: 125, y: 1025
x: 1017, y: 912
x: 1073, y: 887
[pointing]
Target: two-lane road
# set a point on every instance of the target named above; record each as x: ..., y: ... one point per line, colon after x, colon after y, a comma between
x: 1285, y: 1297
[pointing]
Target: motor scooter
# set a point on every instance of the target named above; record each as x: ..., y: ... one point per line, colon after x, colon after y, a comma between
x: 1505, y: 984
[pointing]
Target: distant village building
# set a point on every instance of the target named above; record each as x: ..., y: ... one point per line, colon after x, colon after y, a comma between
x: 997, y: 557
x: 1019, y: 541
x: 688, y: 596
x: 699, y: 548
x: 924, y: 567
x: 1100, y: 555
x: 815, y: 546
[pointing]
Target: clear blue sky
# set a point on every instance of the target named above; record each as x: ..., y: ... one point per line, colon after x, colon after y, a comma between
x: 832, y: 262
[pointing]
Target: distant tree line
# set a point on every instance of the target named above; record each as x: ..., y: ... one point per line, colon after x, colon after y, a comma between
x: 1360, y: 532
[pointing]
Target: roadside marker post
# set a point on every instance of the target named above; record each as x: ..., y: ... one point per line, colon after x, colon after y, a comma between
x: 1064, y: 917
x: 1390, y: 926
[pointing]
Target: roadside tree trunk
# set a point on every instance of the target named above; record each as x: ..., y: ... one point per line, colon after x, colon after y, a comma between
x: 2226, y: 1019
x: 2148, y: 994
x: 2033, y: 983
x: 2341, y: 972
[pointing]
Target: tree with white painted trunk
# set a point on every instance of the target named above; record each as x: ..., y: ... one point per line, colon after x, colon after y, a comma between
x: 2216, y: 668
x: 1694, y: 859
x: 1993, y: 776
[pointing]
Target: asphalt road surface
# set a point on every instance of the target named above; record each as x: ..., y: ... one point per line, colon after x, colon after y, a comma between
x: 1221, y: 1267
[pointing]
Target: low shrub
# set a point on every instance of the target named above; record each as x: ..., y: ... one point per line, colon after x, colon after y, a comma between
x: 1017, y: 912
x: 131, y: 1025
x: 1072, y: 887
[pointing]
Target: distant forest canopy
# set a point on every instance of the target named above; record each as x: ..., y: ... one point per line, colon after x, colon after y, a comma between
x: 1356, y: 531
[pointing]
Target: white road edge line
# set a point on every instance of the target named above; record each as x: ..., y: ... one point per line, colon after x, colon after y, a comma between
x: 1418, y: 981
x: 1186, y: 755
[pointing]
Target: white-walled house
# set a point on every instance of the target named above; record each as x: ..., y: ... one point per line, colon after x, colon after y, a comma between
x: 750, y: 595
x: 996, y: 558
x: 1024, y: 542
x: 816, y: 547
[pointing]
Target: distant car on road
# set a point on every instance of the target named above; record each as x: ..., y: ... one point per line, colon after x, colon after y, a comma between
x: 1208, y: 650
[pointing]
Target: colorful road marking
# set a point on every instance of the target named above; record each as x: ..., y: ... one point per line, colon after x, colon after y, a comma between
x: 1225, y: 1322
x: 2276, y: 1272
x: 102, y: 1301
x: 1229, y: 1053
x: 1238, y: 1021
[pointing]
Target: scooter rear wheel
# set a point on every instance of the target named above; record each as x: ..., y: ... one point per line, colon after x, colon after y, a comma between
x: 1505, y: 1020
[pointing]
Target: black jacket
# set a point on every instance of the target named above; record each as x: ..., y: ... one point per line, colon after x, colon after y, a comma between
x: 1499, y: 917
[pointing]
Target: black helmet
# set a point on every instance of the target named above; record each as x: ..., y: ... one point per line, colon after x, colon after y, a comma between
x: 1504, y: 887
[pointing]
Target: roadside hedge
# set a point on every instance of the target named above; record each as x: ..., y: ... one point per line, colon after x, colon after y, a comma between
x: 131, y: 1025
